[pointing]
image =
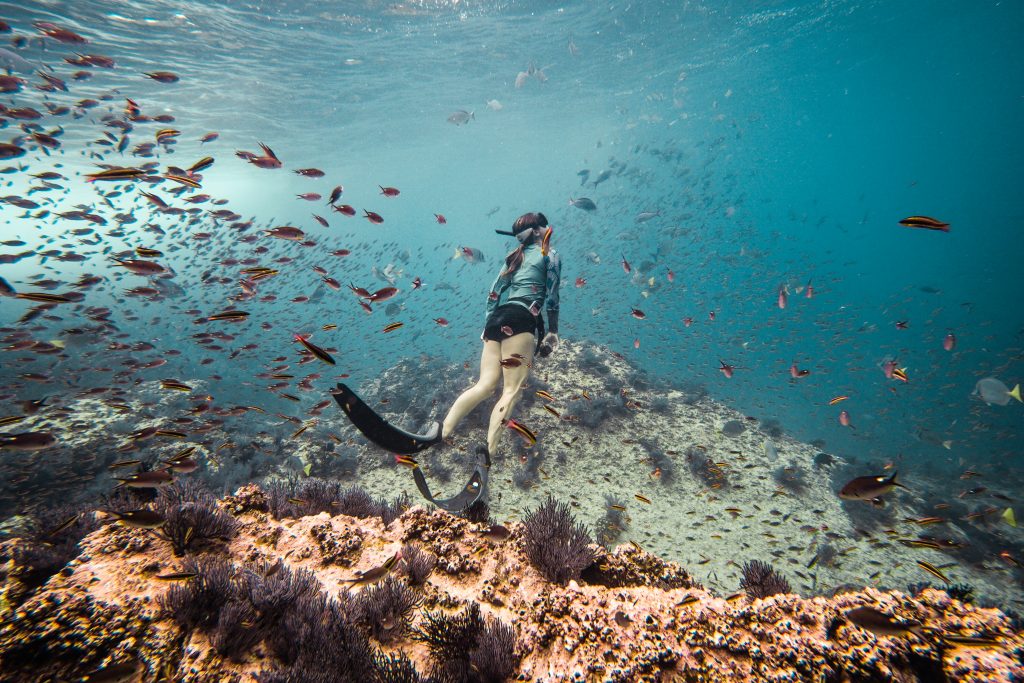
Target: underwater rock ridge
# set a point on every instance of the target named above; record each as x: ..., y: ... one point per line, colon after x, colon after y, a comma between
x: 272, y: 604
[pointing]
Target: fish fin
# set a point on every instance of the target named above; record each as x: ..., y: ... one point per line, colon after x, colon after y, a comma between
x: 1016, y: 393
x: 892, y: 480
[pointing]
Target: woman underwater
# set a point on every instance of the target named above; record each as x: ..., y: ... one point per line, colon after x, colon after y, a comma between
x: 513, y: 331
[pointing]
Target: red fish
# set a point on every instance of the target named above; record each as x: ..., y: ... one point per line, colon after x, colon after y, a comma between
x: 783, y: 296
x: 902, y: 324
x: 671, y: 276
x: 726, y: 369
x: 809, y: 292
x: 440, y: 218
x: 711, y: 316
x: 687, y: 321
x: 638, y: 314
x: 636, y: 343
x: 163, y: 76
x: 625, y: 265
x: 580, y: 281
x: 844, y: 419
x: 310, y: 172
x: 309, y: 196
x: 373, y: 217
x: 322, y: 221
x: 416, y: 283
x: 345, y: 209
x: 382, y: 294
x: 359, y: 291
x: 949, y: 343
x: 389, y: 191
x: 62, y: 35
x: 336, y: 194
x: 795, y: 373
x: 441, y: 321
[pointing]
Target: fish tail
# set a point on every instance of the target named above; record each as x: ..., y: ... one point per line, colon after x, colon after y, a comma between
x: 892, y: 480
x: 1016, y: 393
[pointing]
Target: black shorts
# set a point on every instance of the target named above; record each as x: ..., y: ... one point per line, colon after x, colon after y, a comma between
x: 514, y: 317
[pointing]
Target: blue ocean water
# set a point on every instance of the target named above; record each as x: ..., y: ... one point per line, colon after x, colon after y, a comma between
x: 779, y: 143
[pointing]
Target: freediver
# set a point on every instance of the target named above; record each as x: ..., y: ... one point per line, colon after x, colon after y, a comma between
x: 513, y: 333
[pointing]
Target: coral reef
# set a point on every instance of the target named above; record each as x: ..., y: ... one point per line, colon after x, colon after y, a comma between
x: 267, y: 609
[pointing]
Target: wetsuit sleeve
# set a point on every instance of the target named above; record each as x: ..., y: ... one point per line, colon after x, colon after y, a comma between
x: 554, y: 279
x: 492, y: 301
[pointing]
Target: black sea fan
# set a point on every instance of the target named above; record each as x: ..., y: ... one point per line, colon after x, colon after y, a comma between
x: 356, y: 502
x: 555, y: 543
x: 495, y: 657
x: 197, y: 602
x: 760, y: 580
x: 189, y: 525
x: 390, y: 510
x: 325, y: 646
x: 396, y: 669
x: 237, y: 630
x: 385, y: 609
x: 315, y: 495
x: 417, y: 564
x: 451, y: 638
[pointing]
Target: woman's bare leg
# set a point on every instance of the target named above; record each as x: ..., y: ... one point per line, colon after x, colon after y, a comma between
x: 512, y: 384
x: 490, y: 372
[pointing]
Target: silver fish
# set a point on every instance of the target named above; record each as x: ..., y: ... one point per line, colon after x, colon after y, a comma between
x: 583, y: 203
x: 460, y: 117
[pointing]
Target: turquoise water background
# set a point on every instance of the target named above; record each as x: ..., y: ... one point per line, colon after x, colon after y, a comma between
x: 780, y: 143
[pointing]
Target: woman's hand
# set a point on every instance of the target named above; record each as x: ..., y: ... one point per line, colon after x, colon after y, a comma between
x: 548, y: 344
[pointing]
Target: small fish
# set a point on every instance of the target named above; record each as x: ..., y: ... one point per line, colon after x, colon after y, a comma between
x: 496, y: 532
x: 838, y: 399
x: 645, y: 216
x: 441, y: 220
x: 461, y: 116
x: 870, y: 488
x: 377, y: 573
x: 147, y: 480
x: 925, y: 222
x: 642, y: 498
x: 26, y: 441
x: 443, y: 322
x: 389, y: 191
x: 931, y: 569
x: 314, y: 349
x: 949, y: 341
x: 511, y: 362
x: 163, y: 76
x: 545, y: 395
x: 637, y: 313
x: 553, y: 411
x: 66, y: 524
x: 879, y: 623
x: 373, y: 217
x: 176, y: 576
x: 143, y: 518
x: 392, y: 327
x: 583, y: 203
x: 522, y: 430
x: 228, y: 315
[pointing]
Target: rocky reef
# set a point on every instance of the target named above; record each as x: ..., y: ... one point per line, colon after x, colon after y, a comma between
x: 434, y: 597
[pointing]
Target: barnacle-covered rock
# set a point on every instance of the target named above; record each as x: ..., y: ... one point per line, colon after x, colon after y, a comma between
x: 337, y: 545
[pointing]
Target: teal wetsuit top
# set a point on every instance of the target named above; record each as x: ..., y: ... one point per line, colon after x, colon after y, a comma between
x: 533, y: 285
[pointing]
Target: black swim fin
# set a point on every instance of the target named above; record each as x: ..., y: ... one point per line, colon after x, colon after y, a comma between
x: 380, y: 431
x: 474, y: 490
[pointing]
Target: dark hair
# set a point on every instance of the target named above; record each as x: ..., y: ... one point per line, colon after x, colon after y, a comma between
x: 528, y: 221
